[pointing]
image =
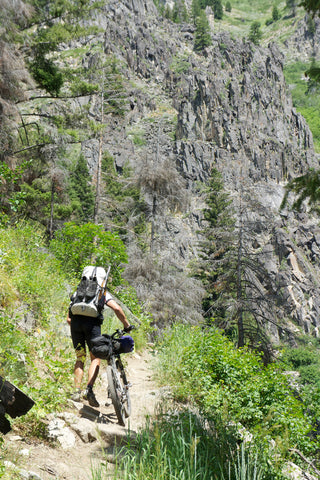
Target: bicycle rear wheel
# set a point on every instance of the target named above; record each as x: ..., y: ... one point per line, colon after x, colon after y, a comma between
x: 119, y: 394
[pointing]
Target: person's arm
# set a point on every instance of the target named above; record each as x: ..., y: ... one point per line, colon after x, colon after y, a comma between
x: 119, y: 312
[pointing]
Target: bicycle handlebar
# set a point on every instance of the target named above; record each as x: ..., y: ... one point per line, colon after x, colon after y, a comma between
x: 118, y: 333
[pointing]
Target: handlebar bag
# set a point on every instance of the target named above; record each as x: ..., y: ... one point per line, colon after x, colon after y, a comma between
x: 101, y: 347
x: 126, y: 344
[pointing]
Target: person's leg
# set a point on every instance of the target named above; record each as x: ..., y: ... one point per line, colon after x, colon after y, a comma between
x: 78, y: 340
x: 79, y: 368
x: 93, y: 331
x: 93, y: 370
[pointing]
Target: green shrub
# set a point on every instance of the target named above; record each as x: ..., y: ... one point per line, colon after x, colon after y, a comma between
x: 76, y: 246
x: 297, y: 357
x: 34, y: 277
x: 310, y: 374
x: 234, y: 384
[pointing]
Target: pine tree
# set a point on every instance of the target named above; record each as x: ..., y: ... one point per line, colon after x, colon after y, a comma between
x: 217, y: 238
x: 82, y: 190
x: 179, y: 12
x: 217, y: 9
x: 255, y: 33
x: 202, y: 33
x: 195, y: 10
x: 228, y: 7
x: 239, y: 296
x: 275, y: 14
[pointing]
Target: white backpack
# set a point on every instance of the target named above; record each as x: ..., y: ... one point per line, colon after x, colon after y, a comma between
x: 89, y: 299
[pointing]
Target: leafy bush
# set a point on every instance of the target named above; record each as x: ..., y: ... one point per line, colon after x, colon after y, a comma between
x: 233, y: 384
x: 39, y: 363
x: 296, y: 357
x: 76, y: 246
x: 29, y: 273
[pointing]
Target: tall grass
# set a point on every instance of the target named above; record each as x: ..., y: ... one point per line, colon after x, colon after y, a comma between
x: 182, y: 446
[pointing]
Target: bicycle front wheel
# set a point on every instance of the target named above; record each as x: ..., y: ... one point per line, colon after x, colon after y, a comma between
x: 119, y: 394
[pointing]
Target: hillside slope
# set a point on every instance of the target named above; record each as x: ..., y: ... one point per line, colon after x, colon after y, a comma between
x: 185, y: 112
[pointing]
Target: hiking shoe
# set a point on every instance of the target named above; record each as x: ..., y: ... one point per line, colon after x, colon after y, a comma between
x: 76, y: 396
x: 90, y: 396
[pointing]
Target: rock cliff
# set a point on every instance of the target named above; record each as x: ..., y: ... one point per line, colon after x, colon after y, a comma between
x: 229, y: 108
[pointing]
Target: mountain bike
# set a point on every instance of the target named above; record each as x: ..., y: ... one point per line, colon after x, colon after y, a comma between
x: 110, y: 347
x: 118, y: 385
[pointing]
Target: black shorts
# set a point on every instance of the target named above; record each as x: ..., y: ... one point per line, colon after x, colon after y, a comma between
x: 83, y: 330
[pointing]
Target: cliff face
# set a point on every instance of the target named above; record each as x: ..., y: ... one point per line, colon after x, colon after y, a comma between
x: 229, y: 108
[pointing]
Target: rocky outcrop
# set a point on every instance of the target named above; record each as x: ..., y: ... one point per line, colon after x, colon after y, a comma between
x: 228, y: 107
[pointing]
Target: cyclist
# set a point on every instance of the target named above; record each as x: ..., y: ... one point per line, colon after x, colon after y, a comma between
x: 83, y: 330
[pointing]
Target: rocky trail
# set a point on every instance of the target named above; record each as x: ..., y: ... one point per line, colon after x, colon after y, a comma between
x: 84, y: 437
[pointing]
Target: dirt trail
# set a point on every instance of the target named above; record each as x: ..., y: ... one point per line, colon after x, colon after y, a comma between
x: 77, y: 461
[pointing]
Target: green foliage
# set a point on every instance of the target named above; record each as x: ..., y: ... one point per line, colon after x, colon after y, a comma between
x: 37, y: 365
x: 305, y: 187
x: 305, y: 95
x: 179, y: 12
x: 176, y: 446
x: 76, y: 246
x: 312, y: 6
x: 32, y: 284
x: 255, y: 33
x: 81, y: 189
x: 11, y: 197
x: 297, y: 357
x: 46, y: 72
x: 81, y: 88
x: 217, y: 9
x: 233, y: 384
x: 195, y: 10
x: 202, y: 37
x: 37, y: 203
x: 180, y: 64
x: 275, y: 14
x: 216, y: 241
x: 311, y: 25
x: 228, y: 7
x: 29, y: 268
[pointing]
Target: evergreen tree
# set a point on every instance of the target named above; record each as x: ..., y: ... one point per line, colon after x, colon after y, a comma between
x: 195, y: 10
x: 228, y: 7
x: 217, y: 9
x: 255, y: 33
x: 179, y: 12
x: 275, y: 14
x: 217, y: 239
x: 312, y: 6
x: 202, y: 34
x: 239, y: 296
x: 292, y: 6
x: 82, y: 190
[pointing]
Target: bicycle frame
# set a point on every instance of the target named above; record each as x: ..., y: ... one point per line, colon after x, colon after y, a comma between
x: 118, y: 384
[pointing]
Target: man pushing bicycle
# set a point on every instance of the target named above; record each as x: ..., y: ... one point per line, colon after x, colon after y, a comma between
x: 85, y: 317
